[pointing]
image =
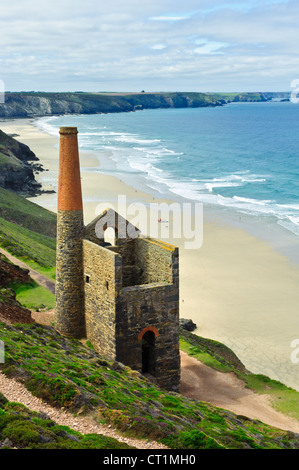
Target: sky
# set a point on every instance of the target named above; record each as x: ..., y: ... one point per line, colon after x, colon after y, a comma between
x: 151, y: 45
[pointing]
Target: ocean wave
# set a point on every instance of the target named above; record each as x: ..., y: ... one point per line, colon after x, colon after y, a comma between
x: 156, y: 164
x: 131, y: 138
x: 222, y: 184
x: 286, y: 215
x: 46, y: 125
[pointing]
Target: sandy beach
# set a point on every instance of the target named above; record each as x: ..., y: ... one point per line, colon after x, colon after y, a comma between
x: 236, y: 287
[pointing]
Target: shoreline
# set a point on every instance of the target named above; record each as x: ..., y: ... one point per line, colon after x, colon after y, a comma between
x: 236, y: 287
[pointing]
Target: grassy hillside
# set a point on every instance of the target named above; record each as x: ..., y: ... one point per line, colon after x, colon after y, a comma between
x: 68, y: 374
x: 21, y: 428
x: 27, y: 230
x: 65, y: 373
x: 26, y: 214
x: 244, y: 97
x: 221, y: 358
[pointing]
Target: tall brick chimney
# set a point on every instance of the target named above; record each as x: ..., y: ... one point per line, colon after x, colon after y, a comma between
x: 69, y: 309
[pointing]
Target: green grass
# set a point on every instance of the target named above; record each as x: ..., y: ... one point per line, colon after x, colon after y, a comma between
x: 34, y: 296
x: 204, y: 357
x: 26, y: 429
x: 230, y: 97
x: 221, y: 358
x: 65, y: 373
x: 26, y: 214
x: 27, y: 231
x: 284, y: 399
x: 27, y: 245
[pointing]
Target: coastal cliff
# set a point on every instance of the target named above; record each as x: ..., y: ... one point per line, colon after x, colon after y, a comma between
x: 36, y: 104
x: 17, y: 167
x: 33, y: 104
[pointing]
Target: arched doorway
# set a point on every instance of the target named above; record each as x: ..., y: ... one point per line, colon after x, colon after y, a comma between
x: 148, y: 353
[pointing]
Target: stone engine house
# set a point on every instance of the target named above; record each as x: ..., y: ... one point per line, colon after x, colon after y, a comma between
x: 123, y: 297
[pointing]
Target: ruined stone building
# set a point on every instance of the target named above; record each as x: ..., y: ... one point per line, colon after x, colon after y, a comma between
x: 124, y: 297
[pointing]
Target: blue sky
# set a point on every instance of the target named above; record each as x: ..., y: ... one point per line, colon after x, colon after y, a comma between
x: 151, y: 45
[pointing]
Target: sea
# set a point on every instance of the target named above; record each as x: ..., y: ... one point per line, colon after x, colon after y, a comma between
x: 240, y: 160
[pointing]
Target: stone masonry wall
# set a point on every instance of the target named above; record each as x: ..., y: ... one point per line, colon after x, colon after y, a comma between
x: 154, y: 304
x: 117, y: 315
x: 156, y: 258
x: 102, y: 281
x: 69, y: 274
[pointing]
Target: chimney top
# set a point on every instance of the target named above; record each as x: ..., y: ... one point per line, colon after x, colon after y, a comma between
x: 68, y: 130
x: 69, y: 180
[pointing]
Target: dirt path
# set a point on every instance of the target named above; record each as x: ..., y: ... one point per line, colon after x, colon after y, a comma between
x: 198, y: 381
x: 14, y: 391
x: 39, y: 278
x: 225, y: 390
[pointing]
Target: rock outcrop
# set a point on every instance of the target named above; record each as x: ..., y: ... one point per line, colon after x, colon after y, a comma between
x: 17, y: 167
x: 187, y: 325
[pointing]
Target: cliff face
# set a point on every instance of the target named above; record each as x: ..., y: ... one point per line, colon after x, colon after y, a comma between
x: 17, y: 167
x: 47, y: 104
x: 28, y: 104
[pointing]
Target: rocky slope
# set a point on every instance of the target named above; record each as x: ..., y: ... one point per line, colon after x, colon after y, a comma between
x: 11, y: 311
x: 17, y: 167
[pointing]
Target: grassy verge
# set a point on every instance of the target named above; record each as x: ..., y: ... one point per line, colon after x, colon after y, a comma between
x: 65, y: 373
x: 22, y: 428
x: 34, y: 296
x: 27, y: 245
x: 28, y: 232
x: 221, y: 358
x: 24, y: 213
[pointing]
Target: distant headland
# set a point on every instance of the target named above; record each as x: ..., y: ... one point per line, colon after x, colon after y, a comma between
x: 36, y: 104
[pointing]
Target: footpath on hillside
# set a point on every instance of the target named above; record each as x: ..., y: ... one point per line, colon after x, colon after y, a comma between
x: 198, y: 381
x: 38, y: 277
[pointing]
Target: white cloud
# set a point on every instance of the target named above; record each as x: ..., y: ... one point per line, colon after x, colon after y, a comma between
x: 153, y: 44
x: 210, y: 47
x: 169, y: 18
x: 158, y: 47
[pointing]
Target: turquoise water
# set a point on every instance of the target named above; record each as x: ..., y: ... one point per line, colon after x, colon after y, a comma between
x: 242, y: 158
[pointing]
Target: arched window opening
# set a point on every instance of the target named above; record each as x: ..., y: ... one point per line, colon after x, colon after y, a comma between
x: 148, y: 353
x: 109, y: 236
